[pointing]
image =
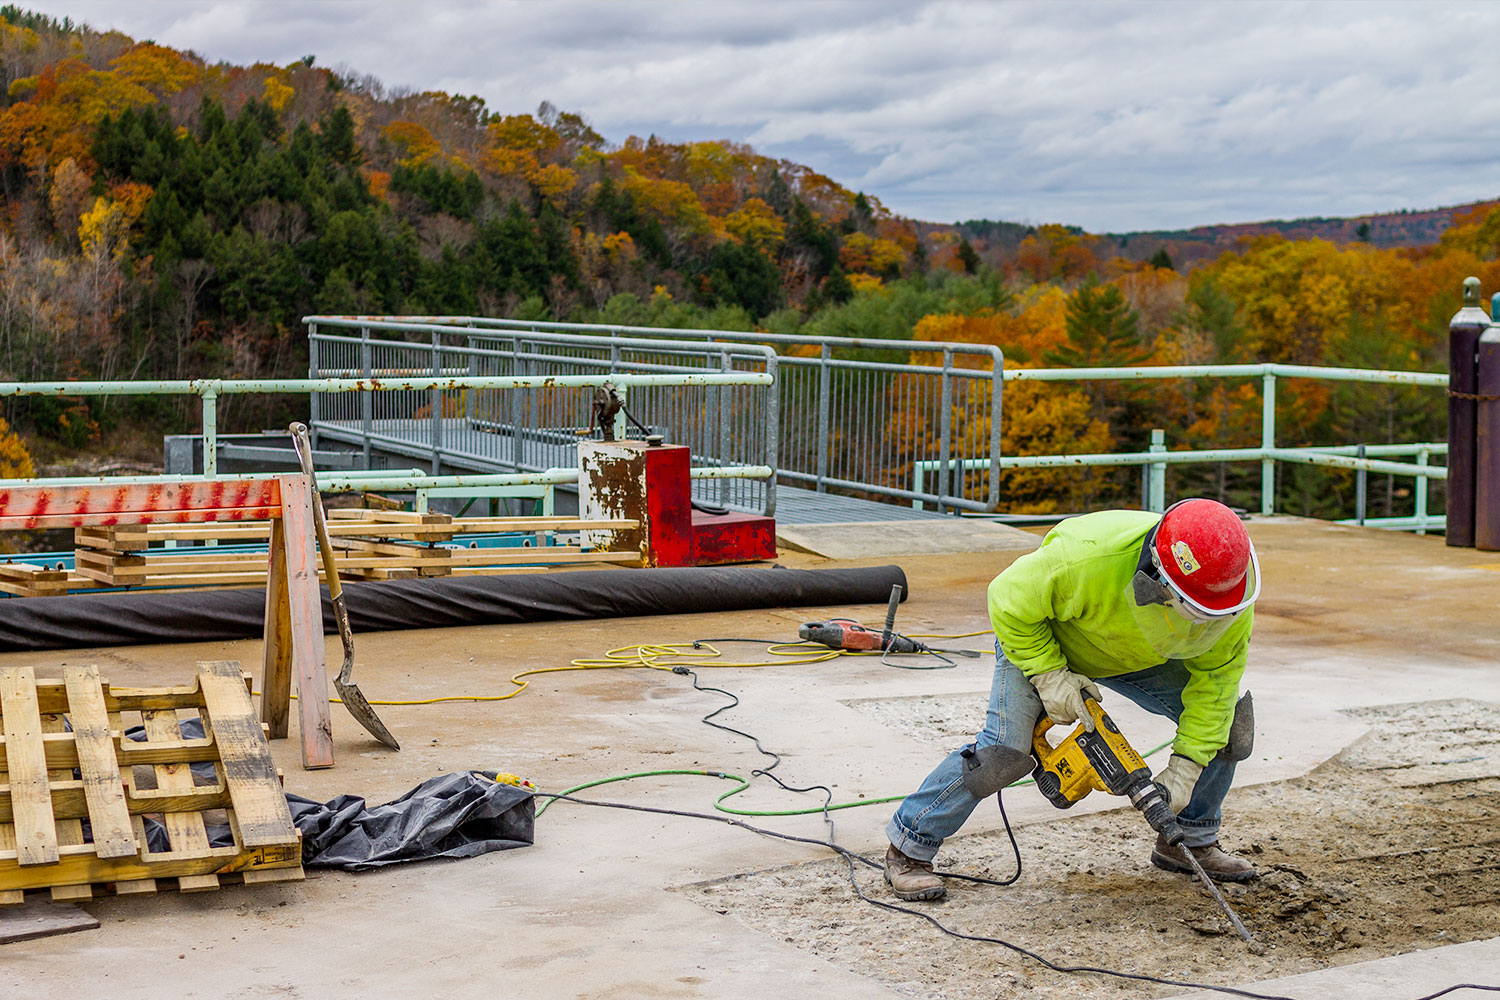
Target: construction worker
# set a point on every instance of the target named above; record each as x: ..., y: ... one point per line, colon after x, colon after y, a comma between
x: 1155, y: 607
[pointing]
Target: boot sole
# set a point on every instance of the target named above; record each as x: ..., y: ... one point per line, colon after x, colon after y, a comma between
x: 1178, y: 868
x: 920, y: 895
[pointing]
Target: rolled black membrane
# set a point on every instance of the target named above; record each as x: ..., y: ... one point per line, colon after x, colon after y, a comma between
x: 134, y: 618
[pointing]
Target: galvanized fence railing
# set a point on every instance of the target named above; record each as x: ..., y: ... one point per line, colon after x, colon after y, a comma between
x: 864, y: 412
x: 727, y: 425
x: 434, y: 389
x: 857, y: 419
x: 1363, y: 459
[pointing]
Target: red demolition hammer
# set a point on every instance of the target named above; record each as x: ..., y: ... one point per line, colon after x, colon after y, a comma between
x: 848, y: 634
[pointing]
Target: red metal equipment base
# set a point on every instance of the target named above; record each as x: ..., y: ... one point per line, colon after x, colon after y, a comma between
x: 631, y: 480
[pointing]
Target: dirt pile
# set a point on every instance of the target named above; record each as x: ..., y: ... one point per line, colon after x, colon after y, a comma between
x: 1391, y: 847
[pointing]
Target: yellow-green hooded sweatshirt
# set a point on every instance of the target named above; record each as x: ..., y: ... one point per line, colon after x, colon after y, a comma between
x: 1065, y: 605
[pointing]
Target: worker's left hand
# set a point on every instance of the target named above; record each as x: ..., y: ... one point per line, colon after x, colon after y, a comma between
x: 1177, y: 780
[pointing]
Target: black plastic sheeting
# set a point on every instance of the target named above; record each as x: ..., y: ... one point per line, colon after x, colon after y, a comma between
x: 450, y: 816
x: 82, y: 621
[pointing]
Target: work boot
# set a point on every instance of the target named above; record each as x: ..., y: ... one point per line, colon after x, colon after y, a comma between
x: 912, y: 879
x: 1220, y: 867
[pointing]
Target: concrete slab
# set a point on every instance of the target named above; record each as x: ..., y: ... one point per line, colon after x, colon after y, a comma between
x: 1351, y: 618
x: 866, y: 539
x: 1414, y: 974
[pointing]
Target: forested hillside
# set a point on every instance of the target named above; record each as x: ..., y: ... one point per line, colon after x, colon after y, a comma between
x: 167, y: 217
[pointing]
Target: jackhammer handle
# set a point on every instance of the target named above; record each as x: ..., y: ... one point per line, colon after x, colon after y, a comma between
x: 890, y: 616
x: 1039, y: 741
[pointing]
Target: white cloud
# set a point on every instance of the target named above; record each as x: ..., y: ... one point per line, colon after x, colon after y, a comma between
x: 1109, y: 115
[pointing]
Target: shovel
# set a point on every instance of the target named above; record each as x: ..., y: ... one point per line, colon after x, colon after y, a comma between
x: 353, y: 699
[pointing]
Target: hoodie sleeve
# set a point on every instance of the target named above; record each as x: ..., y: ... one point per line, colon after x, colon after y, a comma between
x: 1209, y: 696
x: 1022, y: 604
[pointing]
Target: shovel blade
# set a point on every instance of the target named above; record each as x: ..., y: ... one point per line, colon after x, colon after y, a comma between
x: 359, y: 707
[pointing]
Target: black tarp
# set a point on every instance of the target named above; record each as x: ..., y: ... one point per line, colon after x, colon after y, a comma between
x: 450, y: 816
x: 124, y: 619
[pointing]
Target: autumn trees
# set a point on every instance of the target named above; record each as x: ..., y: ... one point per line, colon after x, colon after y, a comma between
x: 166, y: 217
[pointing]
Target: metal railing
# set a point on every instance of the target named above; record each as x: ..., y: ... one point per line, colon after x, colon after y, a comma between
x: 1363, y: 459
x: 727, y: 424
x: 863, y: 416
x: 930, y: 433
x: 423, y: 386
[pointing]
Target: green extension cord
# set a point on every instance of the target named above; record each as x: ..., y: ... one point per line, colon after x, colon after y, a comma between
x: 744, y: 784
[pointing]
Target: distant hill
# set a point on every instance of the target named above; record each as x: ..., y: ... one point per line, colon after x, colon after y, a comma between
x: 1189, y: 247
x: 1406, y: 228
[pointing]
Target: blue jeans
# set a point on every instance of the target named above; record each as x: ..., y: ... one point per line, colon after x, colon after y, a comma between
x: 940, y: 806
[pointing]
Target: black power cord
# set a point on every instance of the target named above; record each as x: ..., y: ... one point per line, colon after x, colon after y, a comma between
x: 850, y: 857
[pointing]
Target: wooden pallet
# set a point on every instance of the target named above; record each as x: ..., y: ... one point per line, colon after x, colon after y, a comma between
x: 369, y: 545
x: 27, y: 580
x: 122, y: 782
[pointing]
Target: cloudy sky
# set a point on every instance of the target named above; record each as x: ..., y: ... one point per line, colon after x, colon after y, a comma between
x: 1112, y: 116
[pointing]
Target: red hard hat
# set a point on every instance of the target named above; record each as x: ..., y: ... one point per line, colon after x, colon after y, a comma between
x: 1204, y: 552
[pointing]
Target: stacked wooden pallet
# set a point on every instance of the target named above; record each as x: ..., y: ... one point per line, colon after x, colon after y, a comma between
x: 369, y: 545
x: 52, y: 728
x: 28, y: 580
x: 393, y: 555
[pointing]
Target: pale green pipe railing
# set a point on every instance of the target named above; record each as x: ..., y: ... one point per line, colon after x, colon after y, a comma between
x: 1333, y: 456
x: 209, y: 391
x: 1268, y: 454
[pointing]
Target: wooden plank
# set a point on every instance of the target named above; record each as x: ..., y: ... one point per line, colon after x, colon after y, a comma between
x: 239, y: 531
x: 79, y: 865
x: 250, y: 530
x: 255, y: 876
x: 32, y: 574
x: 388, y: 516
x: 26, y: 762
x: 128, y: 887
x: 306, y: 623
x: 69, y: 802
x: 182, y: 561
x: 118, y: 537
x: 538, y: 554
x: 52, y: 696
x: 410, y: 550
x: 103, y: 791
x: 121, y: 499
x: 186, y: 833
x: 106, y: 560
x: 69, y: 831
x: 255, y: 530
x: 378, y: 574
x: 260, y: 807
x: 276, y: 662
x: 150, y: 516
x: 39, y: 919
x: 9, y: 897
x: 59, y: 751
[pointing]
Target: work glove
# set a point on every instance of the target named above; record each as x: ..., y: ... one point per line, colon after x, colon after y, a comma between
x: 1062, y: 692
x: 1177, y: 780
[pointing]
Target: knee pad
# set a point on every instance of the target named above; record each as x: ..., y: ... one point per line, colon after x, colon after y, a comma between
x: 1241, y: 731
x: 989, y: 769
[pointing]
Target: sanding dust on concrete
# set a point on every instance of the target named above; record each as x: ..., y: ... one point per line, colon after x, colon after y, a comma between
x: 1390, y: 847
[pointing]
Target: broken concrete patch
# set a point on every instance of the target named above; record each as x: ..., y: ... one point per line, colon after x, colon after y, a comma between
x: 1355, y: 864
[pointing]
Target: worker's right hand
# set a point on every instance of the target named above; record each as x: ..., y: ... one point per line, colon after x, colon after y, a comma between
x: 1062, y: 692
